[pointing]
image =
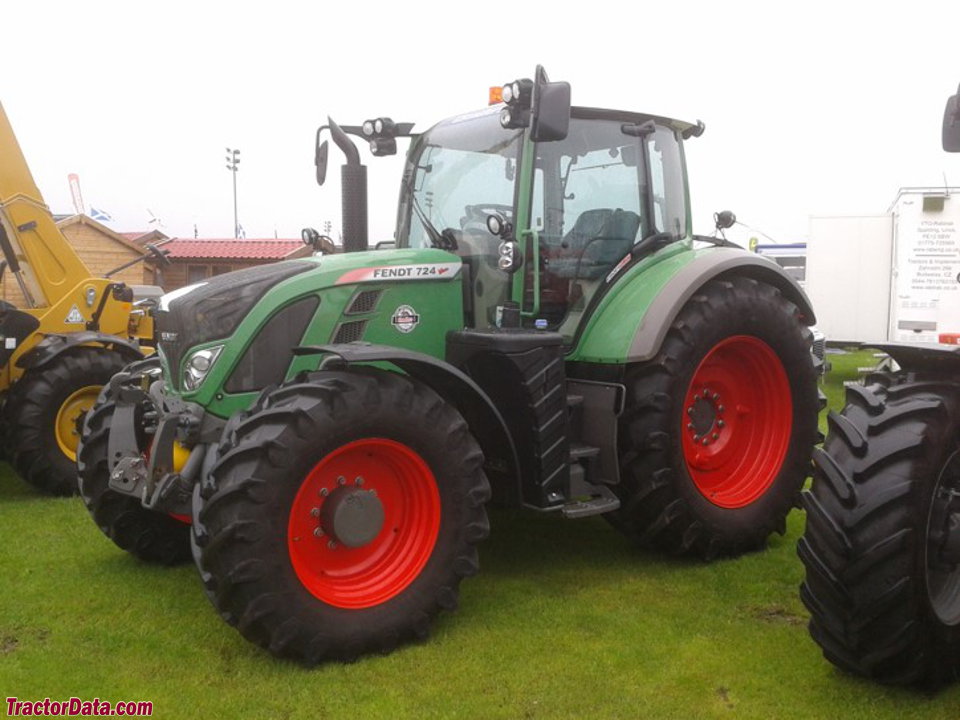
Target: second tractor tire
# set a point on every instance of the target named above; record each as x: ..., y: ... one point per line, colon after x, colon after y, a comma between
x: 881, y: 546
x: 718, y: 428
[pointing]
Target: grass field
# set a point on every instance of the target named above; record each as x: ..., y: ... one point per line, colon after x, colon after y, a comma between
x: 565, y: 620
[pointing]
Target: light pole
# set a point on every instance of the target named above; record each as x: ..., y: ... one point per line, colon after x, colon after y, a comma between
x: 233, y: 160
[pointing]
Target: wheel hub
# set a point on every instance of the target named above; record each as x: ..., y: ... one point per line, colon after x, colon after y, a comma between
x: 943, y: 544
x: 705, y: 417
x: 70, y: 416
x: 351, y: 516
x: 945, y: 526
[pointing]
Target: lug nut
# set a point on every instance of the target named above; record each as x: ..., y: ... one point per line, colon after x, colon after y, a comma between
x: 341, y: 480
x: 716, y: 396
x: 324, y: 492
x: 358, y: 481
x: 689, y: 426
x: 720, y: 409
x: 332, y: 544
x: 690, y: 411
x: 696, y: 438
x: 706, y: 393
x: 315, y: 512
x: 318, y: 532
x: 715, y: 436
x: 721, y: 423
x: 706, y: 441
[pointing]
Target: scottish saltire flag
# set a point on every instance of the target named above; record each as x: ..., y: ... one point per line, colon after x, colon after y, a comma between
x: 99, y: 215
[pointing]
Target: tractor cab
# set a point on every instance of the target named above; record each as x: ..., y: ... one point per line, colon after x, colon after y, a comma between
x: 574, y: 211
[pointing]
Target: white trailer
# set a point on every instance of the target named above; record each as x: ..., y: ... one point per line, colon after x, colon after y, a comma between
x: 889, y: 277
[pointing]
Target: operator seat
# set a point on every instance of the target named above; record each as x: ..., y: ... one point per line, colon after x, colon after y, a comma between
x: 597, y: 240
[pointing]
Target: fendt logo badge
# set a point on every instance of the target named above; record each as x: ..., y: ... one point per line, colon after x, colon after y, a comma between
x: 405, y: 319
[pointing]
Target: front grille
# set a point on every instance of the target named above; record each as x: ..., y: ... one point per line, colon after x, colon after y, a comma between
x: 213, y: 309
x: 363, y: 302
x: 350, y: 331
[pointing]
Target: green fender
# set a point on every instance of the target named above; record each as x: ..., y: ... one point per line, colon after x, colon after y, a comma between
x: 633, y: 317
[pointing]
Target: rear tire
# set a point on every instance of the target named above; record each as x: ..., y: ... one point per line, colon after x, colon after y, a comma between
x: 718, y: 428
x: 882, y: 563
x: 281, y: 564
x: 44, y: 412
x: 151, y: 536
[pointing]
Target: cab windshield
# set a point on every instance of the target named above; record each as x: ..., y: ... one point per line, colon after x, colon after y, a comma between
x: 458, y: 173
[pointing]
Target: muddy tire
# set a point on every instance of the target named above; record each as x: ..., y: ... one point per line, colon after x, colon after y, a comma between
x: 44, y: 412
x: 150, y: 536
x: 718, y: 428
x: 341, y: 516
x: 881, y: 546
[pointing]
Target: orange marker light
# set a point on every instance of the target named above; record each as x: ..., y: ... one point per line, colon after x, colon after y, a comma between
x: 496, y: 95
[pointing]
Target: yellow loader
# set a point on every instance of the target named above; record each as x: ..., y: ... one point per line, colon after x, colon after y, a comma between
x: 72, y: 333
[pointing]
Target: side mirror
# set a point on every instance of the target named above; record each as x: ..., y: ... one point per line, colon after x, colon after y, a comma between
x: 951, y: 124
x: 320, y: 160
x: 551, y: 109
x: 724, y: 219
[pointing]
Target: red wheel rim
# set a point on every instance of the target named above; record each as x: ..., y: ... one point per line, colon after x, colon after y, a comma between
x: 737, y: 417
x: 380, y: 569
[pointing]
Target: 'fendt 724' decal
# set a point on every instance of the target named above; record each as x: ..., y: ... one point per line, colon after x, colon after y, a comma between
x: 387, y: 273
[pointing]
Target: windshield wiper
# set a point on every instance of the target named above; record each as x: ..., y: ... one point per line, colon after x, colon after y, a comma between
x: 443, y: 239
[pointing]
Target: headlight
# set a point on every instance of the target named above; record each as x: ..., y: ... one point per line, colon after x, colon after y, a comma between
x: 198, y: 365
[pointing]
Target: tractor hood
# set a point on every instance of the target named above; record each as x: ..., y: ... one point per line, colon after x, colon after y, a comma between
x: 231, y: 310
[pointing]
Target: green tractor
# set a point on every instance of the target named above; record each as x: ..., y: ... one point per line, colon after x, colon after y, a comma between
x: 323, y: 435
x: 881, y: 546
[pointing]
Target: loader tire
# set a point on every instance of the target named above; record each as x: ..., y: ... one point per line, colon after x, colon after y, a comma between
x: 150, y: 536
x: 341, y: 517
x: 718, y: 428
x: 881, y: 546
x: 44, y: 415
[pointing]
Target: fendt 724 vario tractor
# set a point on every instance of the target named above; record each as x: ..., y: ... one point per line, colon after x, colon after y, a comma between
x: 543, y: 334
x: 882, y: 541
x: 69, y: 334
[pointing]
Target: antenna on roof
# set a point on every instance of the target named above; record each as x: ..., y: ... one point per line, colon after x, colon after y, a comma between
x: 154, y: 219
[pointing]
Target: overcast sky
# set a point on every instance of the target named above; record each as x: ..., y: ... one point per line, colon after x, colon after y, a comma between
x: 815, y: 108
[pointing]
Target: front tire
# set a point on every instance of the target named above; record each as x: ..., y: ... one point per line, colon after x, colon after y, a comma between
x: 44, y: 413
x: 718, y: 428
x: 341, y: 515
x: 881, y: 546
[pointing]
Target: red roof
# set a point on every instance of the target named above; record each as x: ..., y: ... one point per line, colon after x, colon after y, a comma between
x: 235, y: 249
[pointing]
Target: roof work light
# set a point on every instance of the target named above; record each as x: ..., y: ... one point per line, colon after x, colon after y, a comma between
x: 518, y: 96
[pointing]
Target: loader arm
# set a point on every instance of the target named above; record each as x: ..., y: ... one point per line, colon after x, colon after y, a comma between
x: 50, y: 268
